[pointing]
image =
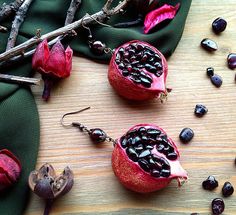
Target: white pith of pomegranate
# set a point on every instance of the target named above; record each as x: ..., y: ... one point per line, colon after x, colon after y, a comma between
x: 155, y: 163
x: 138, y: 71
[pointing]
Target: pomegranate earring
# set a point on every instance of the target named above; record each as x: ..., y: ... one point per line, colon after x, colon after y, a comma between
x: 144, y: 159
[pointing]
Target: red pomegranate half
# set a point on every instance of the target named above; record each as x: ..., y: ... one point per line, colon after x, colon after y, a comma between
x: 138, y: 71
x: 145, y: 159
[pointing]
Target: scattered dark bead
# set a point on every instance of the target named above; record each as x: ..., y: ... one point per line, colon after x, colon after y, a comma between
x: 217, y: 206
x: 186, y: 135
x: 144, y: 165
x: 210, y: 183
x: 97, y: 135
x: 209, y: 45
x: 144, y: 58
x: 200, y: 110
x: 165, y: 163
x: 97, y: 47
x: 227, y: 189
x: 165, y: 173
x: 145, y: 153
x: 132, y: 133
x: 172, y: 156
x: 216, y: 80
x: 155, y: 173
x: 219, y: 25
x: 121, y: 51
x: 210, y: 71
x: 231, y: 59
x: 132, y: 154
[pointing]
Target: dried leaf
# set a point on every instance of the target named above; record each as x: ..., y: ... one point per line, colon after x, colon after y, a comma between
x: 155, y: 17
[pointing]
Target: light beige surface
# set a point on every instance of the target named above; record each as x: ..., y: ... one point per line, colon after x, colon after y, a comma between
x: 212, y: 152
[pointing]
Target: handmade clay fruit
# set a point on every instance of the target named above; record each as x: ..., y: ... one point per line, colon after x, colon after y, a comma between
x: 145, y: 159
x: 138, y: 71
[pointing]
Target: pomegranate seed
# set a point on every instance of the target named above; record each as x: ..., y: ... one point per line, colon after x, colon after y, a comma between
x: 227, y: 189
x: 209, y: 44
x: 186, y: 135
x: 219, y: 25
x: 217, y: 206
x: 210, y: 183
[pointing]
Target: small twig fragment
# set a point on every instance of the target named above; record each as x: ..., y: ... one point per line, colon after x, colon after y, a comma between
x: 19, y: 19
x: 8, y: 10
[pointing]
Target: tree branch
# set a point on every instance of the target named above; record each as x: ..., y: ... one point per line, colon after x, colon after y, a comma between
x: 101, y: 16
x: 7, y: 10
x: 74, y: 5
x: 19, y: 19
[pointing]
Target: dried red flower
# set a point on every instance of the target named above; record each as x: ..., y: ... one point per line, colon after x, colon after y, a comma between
x: 157, y: 16
x: 52, y: 64
x: 10, y: 169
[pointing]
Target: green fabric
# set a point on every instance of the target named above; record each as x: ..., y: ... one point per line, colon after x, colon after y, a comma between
x: 19, y: 122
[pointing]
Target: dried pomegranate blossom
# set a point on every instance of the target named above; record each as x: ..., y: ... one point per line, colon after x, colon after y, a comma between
x: 10, y: 169
x: 53, y: 65
x: 138, y: 71
x: 145, y: 159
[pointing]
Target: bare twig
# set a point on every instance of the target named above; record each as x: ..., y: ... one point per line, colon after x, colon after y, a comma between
x: 7, y: 10
x: 19, y: 19
x: 101, y: 16
x: 3, y: 29
x: 74, y: 5
x: 19, y: 80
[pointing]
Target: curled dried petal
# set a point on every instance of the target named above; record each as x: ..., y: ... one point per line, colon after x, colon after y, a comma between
x: 41, y: 56
x: 155, y: 17
x: 69, y: 54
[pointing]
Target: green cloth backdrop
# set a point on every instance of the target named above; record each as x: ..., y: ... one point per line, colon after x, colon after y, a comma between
x: 19, y: 121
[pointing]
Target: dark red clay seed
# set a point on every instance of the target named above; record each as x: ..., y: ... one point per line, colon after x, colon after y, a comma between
x: 227, y: 189
x: 219, y: 25
x: 210, y: 183
x: 186, y: 135
x: 217, y: 206
x: 231, y: 59
x: 216, y: 80
x: 209, y: 45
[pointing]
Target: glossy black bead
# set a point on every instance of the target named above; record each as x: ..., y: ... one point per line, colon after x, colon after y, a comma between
x: 97, y: 135
x: 136, y: 140
x: 97, y: 47
x: 200, y: 110
x: 160, y: 148
x: 153, y: 132
x: 210, y: 71
x: 217, y: 206
x: 216, y: 80
x: 165, y: 173
x: 155, y: 173
x: 145, y: 82
x: 231, y: 59
x: 186, y: 135
x: 210, y: 183
x: 132, y: 154
x: 144, y: 165
x: 145, y: 153
x: 142, y: 130
x: 219, y: 25
x: 209, y: 45
x: 139, y: 148
x: 124, y: 142
x: 125, y: 73
x: 172, y: 156
x: 227, y: 189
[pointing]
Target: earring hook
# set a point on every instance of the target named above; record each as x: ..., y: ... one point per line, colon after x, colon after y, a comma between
x: 71, y: 113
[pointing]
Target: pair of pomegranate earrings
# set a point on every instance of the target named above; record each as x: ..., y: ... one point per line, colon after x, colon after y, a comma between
x: 144, y: 159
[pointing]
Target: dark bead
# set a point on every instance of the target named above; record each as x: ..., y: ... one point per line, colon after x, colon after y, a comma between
x: 145, y: 153
x: 144, y: 139
x: 132, y: 52
x: 155, y: 173
x: 121, y: 51
x: 136, y: 140
x: 124, y: 142
x: 217, y: 206
x: 126, y: 55
x: 149, y: 147
x: 158, y: 66
x: 210, y: 183
x: 216, y: 80
x: 153, y: 132
x: 135, y: 79
x: 145, y: 82
x: 200, y: 110
x: 209, y: 45
x: 172, y: 156
x: 194, y: 214
x: 139, y: 148
x: 132, y: 154
x: 165, y: 173
x: 97, y: 47
x: 142, y: 130
x: 161, y: 148
x: 144, y: 165
x: 227, y: 189
x: 121, y: 66
x: 150, y: 68
x: 219, y: 25
x: 140, y: 47
x: 125, y: 73
x: 165, y: 163
x: 186, y: 135
x: 132, y: 132
x: 97, y: 135
x: 210, y: 71
x: 144, y: 58
x: 231, y: 59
